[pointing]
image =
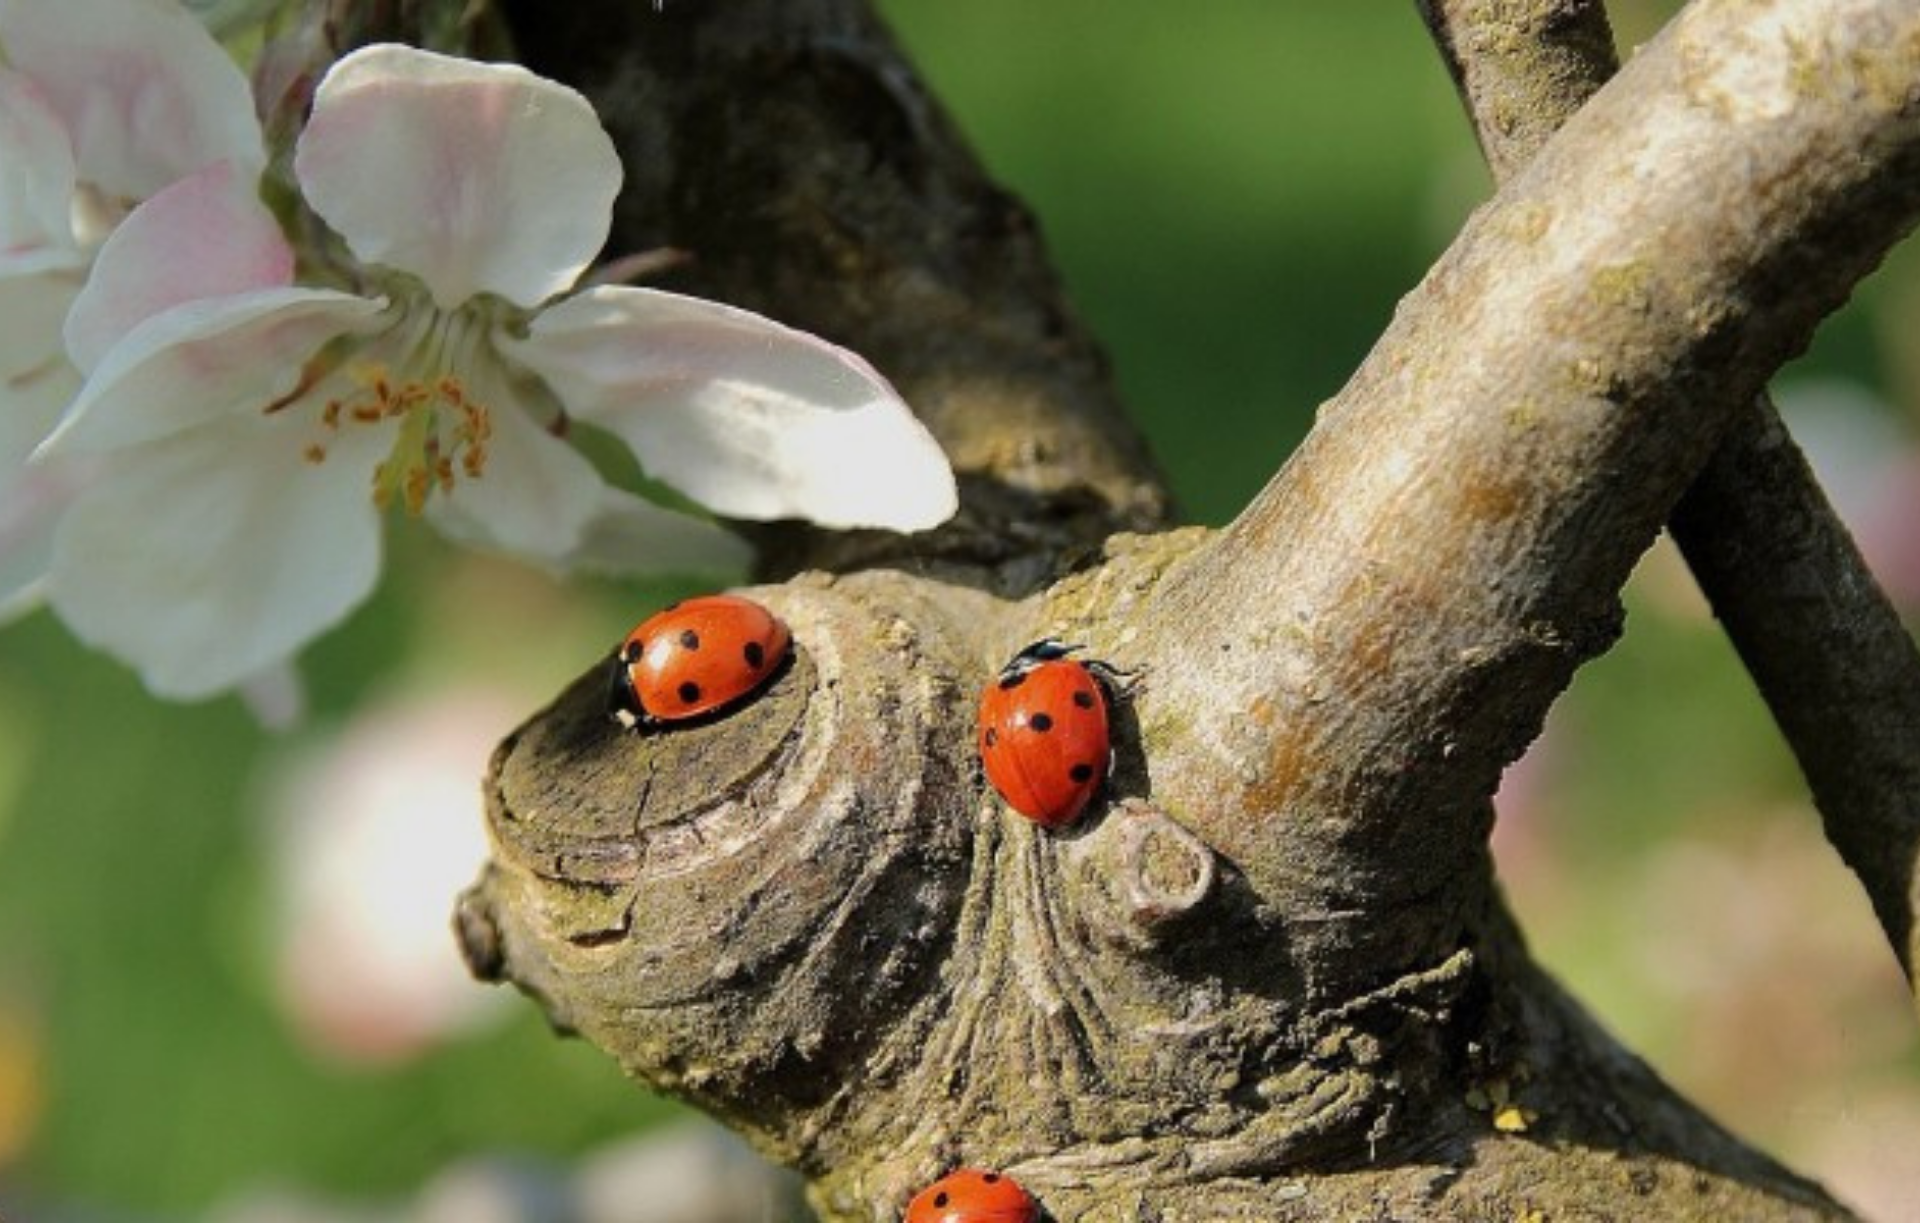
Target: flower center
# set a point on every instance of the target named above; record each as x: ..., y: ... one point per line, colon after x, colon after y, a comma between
x: 444, y: 432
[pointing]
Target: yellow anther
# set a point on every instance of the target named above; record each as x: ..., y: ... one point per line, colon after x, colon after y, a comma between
x: 418, y: 487
x: 442, y: 433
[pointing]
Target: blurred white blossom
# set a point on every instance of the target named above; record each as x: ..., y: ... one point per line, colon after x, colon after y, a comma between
x: 102, y: 103
x: 372, y: 836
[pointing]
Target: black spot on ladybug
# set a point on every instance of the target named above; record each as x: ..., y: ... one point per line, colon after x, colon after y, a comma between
x: 991, y: 1178
x: 993, y: 737
x: 1083, y: 698
x: 631, y: 652
x: 940, y: 1199
x: 756, y: 655
x: 1081, y: 773
x: 1012, y: 681
x: 689, y: 692
x: 1041, y: 722
x: 690, y: 639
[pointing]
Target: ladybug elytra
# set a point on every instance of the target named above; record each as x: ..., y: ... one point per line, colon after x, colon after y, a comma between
x: 1043, y: 732
x: 693, y: 658
x: 972, y: 1196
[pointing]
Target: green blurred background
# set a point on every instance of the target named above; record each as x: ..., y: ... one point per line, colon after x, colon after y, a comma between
x: 1237, y: 193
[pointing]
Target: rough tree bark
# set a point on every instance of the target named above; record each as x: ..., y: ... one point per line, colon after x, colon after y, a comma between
x: 1271, y: 977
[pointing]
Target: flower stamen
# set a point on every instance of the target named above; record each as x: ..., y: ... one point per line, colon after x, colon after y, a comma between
x: 443, y: 433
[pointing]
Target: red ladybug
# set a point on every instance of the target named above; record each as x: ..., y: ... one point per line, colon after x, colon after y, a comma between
x: 695, y: 657
x: 972, y: 1196
x: 1043, y: 732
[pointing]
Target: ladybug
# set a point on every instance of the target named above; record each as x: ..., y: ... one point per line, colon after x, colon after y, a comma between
x: 1043, y: 732
x: 972, y: 1196
x: 693, y: 658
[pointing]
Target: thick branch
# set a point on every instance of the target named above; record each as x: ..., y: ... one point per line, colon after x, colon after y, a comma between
x: 1819, y: 636
x: 813, y: 917
x: 1448, y: 544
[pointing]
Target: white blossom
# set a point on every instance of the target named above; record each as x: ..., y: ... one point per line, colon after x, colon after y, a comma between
x: 102, y: 103
x: 256, y: 426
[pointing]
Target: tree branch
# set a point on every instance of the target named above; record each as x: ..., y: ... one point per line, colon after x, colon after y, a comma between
x: 1268, y: 977
x: 1448, y: 544
x: 1522, y: 67
x: 1817, y: 633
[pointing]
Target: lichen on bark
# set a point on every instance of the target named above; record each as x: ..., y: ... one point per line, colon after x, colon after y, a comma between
x: 1270, y: 977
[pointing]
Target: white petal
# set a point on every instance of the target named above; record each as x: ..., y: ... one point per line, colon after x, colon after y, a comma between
x: 477, y: 178
x: 750, y: 418
x: 32, y: 501
x: 145, y: 93
x: 535, y: 494
x: 33, y: 364
x: 207, y: 235
x: 68, y: 262
x: 36, y: 169
x: 25, y: 556
x: 206, y: 359
x: 204, y: 559
x: 540, y: 499
x: 628, y: 535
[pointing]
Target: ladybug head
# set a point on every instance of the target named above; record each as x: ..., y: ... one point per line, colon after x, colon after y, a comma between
x: 622, y: 706
x: 1047, y: 649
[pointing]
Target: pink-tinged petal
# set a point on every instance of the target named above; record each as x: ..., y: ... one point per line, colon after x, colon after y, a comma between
x: 202, y: 360
x: 208, y: 235
x: 206, y: 558
x: 36, y: 383
x: 747, y: 417
x: 477, y: 178
x: 144, y: 92
x: 36, y: 170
